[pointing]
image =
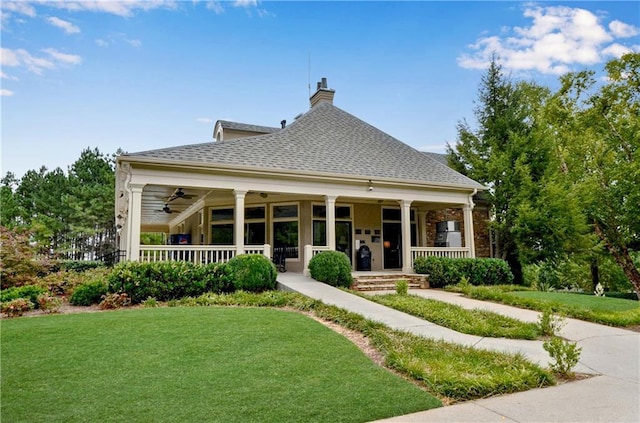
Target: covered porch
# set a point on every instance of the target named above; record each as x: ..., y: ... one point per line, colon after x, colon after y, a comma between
x: 214, y: 216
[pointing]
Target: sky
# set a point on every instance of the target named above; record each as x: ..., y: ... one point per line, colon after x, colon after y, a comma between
x: 142, y: 75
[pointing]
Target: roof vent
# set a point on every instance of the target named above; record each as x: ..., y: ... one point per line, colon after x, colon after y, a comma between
x: 283, y: 123
x: 322, y: 94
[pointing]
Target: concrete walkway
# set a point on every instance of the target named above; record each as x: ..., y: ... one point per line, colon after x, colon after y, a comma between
x: 611, y: 354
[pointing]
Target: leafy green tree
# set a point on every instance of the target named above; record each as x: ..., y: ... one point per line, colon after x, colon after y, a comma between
x: 598, y: 136
x: 500, y: 154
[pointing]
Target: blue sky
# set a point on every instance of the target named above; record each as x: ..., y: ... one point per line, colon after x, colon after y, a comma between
x: 142, y: 75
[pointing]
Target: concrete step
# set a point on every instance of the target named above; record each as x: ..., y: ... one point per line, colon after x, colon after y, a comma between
x: 376, y: 282
x: 383, y: 287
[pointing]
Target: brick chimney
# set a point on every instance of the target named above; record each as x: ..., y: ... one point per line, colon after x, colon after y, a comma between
x: 322, y: 93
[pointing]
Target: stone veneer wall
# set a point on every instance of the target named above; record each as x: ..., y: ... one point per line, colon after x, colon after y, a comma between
x: 482, y: 237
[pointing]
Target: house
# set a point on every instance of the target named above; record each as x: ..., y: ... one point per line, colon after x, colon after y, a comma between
x: 326, y: 181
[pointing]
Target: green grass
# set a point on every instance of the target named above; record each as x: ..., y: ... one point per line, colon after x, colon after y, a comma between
x: 590, y: 302
x: 193, y: 364
x: 473, y: 322
x: 236, y: 364
x: 608, y: 311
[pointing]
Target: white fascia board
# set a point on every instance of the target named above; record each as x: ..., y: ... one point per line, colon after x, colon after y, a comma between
x: 301, y: 184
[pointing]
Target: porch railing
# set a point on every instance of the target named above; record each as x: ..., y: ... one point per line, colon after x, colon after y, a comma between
x: 310, y: 251
x: 201, y: 254
x: 448, y: 252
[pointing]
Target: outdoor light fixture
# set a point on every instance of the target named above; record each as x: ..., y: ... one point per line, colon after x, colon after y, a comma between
x: 370, y: 185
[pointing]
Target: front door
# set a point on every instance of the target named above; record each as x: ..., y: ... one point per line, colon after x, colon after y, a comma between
x: 392, y: 244
x: 343, y: 239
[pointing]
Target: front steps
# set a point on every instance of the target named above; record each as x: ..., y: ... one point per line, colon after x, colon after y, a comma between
x: 387, y: 281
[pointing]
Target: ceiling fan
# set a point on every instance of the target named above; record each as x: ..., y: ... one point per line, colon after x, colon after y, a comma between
x: 179, y: 193
x: 167, y: 210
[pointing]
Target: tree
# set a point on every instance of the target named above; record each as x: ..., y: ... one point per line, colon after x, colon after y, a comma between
x: 91, y: 200
x: 598, y: 137
x: 69, y: 215
x: 42, y: 196
x: 501, y: 154
x: 11, y: 211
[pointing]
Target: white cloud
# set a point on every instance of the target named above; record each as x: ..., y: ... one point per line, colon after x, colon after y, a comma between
x: 5, y: 92
x: 63, y: 58
x: 204, y: 120
x: 245, y: 3
x: 133, y: 43
x: 558, y: 38
x: 124, y: 8
x: 216, y: 6
x: 23, y: 59
x: 67, y: 26
x: 9, y: 77
x: 20, y: 7
x: 623, y: 30
x: 616, y: 50
x: 113, y: 39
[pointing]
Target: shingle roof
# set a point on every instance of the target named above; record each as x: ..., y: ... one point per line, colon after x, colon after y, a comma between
x: 441, y: 158
x: 247, y: 127
x: 325, y: 140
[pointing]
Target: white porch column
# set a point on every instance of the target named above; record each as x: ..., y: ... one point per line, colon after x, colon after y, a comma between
x: 134, y: 221
x: 468, y: 229
x: 330, y: 204
x: 405, y: 210
x: 239, y: 220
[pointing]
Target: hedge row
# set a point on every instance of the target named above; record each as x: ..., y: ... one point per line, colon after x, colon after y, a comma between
x: 447, y: 271
x: 172, y: 280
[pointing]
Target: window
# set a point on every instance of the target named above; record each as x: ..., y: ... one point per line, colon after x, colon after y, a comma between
x: 286, y: 230
x: 254, y: 225
x: 319, y: 225
x: 222, y: 226
x: 343, y: 214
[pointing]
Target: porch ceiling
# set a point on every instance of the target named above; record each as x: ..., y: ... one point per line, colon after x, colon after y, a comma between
x: 154, y: 198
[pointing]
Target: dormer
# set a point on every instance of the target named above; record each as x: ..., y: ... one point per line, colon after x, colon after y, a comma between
x: 226, y: 130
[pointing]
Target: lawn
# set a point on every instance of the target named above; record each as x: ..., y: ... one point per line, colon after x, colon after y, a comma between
x: 604, y: 310
x: 590, y: 302
x: 473, y: 322
x: 193, y: 364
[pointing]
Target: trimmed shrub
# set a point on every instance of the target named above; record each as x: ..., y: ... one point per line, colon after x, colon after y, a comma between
x: 161, y: 280
x: 17, y: 307
x: 114, y: 301
x: 28, y: 292
x: 171, y: 280
x: 49, y: 304
x: 218, y: 278
x: 252, y: 272
x: 444, y: 271
x: 331, y: 267
x: 88, y: 293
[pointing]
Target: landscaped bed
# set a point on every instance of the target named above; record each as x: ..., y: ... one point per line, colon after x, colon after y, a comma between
x: 472, y: 322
